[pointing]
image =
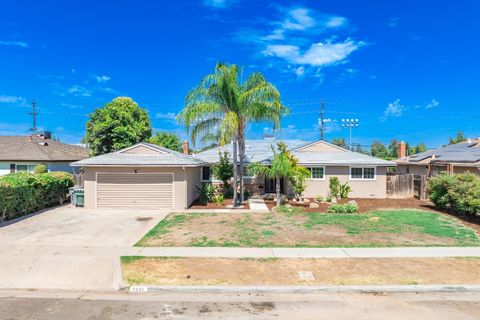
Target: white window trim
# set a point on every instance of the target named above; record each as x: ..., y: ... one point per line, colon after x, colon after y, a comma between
x: 362, y: 178
x: 201, y: 174
x: 212, y: 177
x: 311, y: 173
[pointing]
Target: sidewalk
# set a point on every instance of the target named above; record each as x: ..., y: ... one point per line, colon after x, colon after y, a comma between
x: 223, y: 252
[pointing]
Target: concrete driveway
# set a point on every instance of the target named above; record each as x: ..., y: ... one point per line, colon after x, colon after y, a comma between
x: 70, y: 248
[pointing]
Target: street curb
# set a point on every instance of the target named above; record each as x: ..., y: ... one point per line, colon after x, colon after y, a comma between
x: 117, y: 280
x: 307, y: 289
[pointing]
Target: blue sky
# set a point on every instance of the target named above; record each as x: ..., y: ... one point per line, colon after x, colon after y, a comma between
x: 406, y: 69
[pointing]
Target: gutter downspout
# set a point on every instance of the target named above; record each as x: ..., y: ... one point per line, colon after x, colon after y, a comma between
x: 185, y: 187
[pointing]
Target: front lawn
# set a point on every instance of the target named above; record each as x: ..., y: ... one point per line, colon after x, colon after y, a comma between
x: 275, y: 271
x: 381, y: 228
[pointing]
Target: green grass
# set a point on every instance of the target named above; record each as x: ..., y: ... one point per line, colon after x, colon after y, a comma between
x: 250, y: 230
x: 163, y: 227
x: 396, y: 221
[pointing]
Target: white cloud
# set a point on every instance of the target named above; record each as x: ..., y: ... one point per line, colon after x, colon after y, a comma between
x: 318, y: 55
x: 167, y: 115
x: 393, y: 110
x: 393, y: 22
x: 101, y: 79
x: 432, y: 104
x: 11, y: 99
x: 21, y: 44
x: 219, y: 4
x: 79, y: 91
x: 294, y: 42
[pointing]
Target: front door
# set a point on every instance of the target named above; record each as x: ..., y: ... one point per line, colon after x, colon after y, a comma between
x: 270, y: 185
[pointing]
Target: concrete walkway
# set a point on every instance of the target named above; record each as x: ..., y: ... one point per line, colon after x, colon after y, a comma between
x: 222, y: 252
x: 257, y: 205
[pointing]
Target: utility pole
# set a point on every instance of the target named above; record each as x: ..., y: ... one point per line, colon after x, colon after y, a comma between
x: 322, y: 120
x: 34, y: 113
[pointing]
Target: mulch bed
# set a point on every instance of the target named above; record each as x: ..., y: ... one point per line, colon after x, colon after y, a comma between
x: 211, y: 205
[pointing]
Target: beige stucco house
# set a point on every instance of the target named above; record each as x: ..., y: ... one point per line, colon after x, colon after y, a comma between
x: 148, y: 176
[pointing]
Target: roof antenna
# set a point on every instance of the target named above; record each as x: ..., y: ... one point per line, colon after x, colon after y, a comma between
x: 34, y: 113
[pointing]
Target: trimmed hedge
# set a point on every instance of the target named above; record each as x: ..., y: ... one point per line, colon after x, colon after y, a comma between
x: 23, y: 193
x: 459, y: 192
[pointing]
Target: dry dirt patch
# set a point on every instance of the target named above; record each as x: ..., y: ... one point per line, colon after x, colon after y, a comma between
x: 272, y: 271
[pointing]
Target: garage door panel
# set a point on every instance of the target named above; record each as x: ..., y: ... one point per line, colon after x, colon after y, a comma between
x: 120, y: 190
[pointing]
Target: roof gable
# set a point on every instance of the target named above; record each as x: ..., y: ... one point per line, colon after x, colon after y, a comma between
x: 320, y: 146
x: 142, y: 148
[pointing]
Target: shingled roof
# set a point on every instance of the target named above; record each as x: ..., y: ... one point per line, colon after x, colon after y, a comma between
x: 33, y: 148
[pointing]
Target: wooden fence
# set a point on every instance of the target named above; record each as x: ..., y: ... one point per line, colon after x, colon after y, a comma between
x: 404, y: 186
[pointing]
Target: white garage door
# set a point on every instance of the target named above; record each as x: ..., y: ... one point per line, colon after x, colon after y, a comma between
x: 145, y: 191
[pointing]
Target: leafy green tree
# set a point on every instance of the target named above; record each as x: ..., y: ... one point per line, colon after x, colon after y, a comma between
x: 221, y: 106
x: 339, y: 142
x: 379, y: 150
x: 119, y: 124
x: 223, y: 170
x: 459, y: 138
x: 283, y: 165
x: 420, y: 148
x: 393, y: 149
x: 167, y: 140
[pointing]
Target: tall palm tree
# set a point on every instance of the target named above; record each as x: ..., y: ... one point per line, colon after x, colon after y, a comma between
x: 220, y: 105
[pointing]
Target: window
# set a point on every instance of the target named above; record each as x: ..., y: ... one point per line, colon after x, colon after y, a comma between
x: 206, y: 174
x: 362, y: 173
x: 317, y: 173
x: 25, y: 167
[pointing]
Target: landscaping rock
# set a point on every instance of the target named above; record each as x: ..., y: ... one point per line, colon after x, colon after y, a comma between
x: 353, y: 202
x: 314, y: 205
x: 334, y: 200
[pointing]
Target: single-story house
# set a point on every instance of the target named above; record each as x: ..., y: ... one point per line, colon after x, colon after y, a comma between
x: 366, y: 175
x: 455, y: 158
x: 23, y: 153
x: 149, y: 176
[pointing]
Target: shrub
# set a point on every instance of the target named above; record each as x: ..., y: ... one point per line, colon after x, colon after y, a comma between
x: 218, y: 199
x: 343, y: 208
x: 334, y: 186
x: 460, y: 192
x: 40, y: 168
x: 344, y: 190
x: 22, y: 193
x: 319, y: 198
x: 206, y: 193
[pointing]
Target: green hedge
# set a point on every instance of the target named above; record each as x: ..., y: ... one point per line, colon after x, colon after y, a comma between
x: 460, y: 192
x: 23, y: 193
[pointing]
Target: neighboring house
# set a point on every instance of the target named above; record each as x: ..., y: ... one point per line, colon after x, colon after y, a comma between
x: 152, y: 177
x: 141, y: 176
x: 456, y: 158
x: 366, y: 175
x: 23, y: 153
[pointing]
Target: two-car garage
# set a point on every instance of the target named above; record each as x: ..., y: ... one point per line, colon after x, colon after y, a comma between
x: 133, y: 190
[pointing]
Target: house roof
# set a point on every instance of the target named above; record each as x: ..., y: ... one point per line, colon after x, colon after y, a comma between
x: 255, y: 150
x: 34, y: 148
x: 465, y: 152
x: 261, y: 151
x: 162, y: 157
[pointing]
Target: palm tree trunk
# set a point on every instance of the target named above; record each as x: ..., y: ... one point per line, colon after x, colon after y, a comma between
x: 235, y: 172
x: 277, y: 187
x: 241, y: 148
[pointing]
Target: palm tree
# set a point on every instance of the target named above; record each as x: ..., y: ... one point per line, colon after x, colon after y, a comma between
x: 211, y: 109
x: 259, y: 101
x: 283, y: 165
x: 221, y: 106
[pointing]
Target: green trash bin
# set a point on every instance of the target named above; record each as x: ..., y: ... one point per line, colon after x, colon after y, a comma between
x: 80, y: 198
